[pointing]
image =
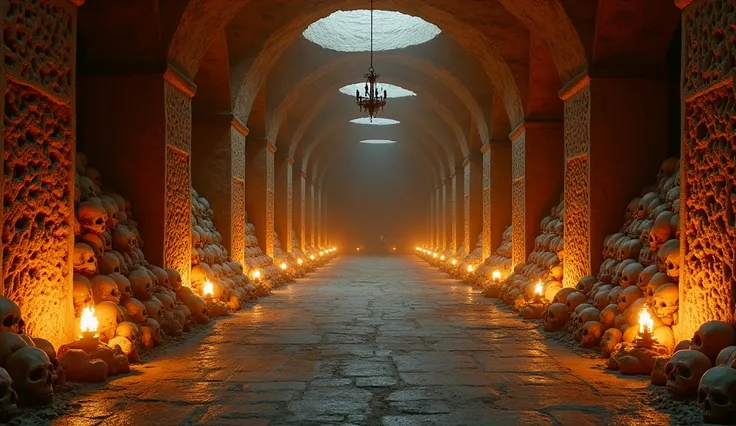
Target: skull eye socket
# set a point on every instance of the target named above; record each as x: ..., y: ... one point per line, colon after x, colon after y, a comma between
x: 685, y: 372
x: 9, y: 320
x: 99, y: 221
x: 718, y: 398
x: 37, y: 374
x: 116, y: 269
x: 663, y: 305
x: 91, y: 260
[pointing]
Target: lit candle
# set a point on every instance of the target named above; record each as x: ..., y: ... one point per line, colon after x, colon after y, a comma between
x: 454, y: 262
x: 435, y: 255
x: 496, y: 275
x: 88, y: 323
x: 442, y: 258
x: 208, y: 289
x: 283, y: 266
x: 299, y: 261
x: 312, y: 257
x: 257, y: 274
x: 646, y: 326
x: 470, y: 268
x: 538, y: 288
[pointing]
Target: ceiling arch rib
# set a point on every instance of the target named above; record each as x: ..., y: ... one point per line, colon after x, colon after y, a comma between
x: 415, y: 120
x: 336, y: 72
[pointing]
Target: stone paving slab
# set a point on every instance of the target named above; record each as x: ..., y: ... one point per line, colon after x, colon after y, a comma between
x: 369, y: 341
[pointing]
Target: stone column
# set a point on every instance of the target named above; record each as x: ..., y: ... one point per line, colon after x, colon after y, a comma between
x: 218, y: 174
x: 430, y: 215
x: 284, y: 201
x: 538, y: 160
x: 496, y: 193
x: 439, y: 214
x: 301, y: 205
x: 613, y: 148
x: 318, y: 214
x: 459, y: 191
x: 445, y: 216
x: 38, y: 146
x: 325, y: 221
x: 473, y: 197
x: 311, y: 215
x: 259, y: 192
x: 707, y: 230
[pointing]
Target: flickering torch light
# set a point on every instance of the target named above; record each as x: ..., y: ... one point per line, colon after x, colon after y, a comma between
x: 454, y: 262
x: 442, y: 258
x: 283, y: 266
x: 88, y: 324
x: 646, y: 327
x: 496, y: 276
x: 208, y: 290
x: 257, y: 275
x: 312, y: 257
x: 470, y: 268
x: 538, y: 289
x: 434, y: 255
x: 299, y: 261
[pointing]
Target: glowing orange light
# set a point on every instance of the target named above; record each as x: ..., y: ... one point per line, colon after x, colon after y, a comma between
x: 257, y: 274
x: 357, y: 248
x: 470, y: 268
x: 88, y: 321
x: 442, y: 258
x: 435, y: 255
x: 646, y: 323
x: 311, y: 257
x: 394, y: 248
x: 208, y: 289
x: 496, y: 275
x: 454, y: 262
x: 538, y: 288
x: 299, y: 261
x: 283, y: 266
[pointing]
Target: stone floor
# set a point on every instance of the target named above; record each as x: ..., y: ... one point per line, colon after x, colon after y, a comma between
x: 370, y: 341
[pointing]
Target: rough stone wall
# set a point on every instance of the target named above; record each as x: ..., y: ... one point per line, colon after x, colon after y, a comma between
x: 39, y: 144
x: 577, y: 182
x: 237, y: 194
x: 518, y: 200
x: 177, y: 220
x: 270, y: 201
x: 708, y: 283
x: 486, y: 200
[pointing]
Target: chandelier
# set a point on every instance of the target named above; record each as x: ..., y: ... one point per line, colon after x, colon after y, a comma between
x: 372, y: 101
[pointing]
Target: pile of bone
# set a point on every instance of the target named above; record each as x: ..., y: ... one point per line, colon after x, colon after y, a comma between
x: 604, y: 310
x: 258, y: 266
x: 470, y: 263
x: 285, y: 261
x: 225, y: 279
x: 543, y: 264
x: 135, y: 303
x: 297, y: 254
x: 29, y: 368
x: 499, y: 261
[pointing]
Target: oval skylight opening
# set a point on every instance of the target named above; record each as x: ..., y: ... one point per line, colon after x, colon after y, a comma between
x: 392, y: 91
x: 350, y: 31
x: 378, y: 141
x: 376, y: 121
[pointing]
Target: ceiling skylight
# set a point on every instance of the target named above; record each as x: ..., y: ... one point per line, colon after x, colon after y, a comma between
x: 350, y: 31
x: 392, y: 91
x: 376, y: 121
x: 378, y: 141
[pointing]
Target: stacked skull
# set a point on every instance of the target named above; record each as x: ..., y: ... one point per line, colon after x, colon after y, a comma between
x: 258, y: 266
x: 499, y: 261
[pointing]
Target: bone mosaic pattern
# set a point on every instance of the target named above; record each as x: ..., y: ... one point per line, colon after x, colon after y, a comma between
x: 238, y: 221
x: 487, y: 202
x: 518, y: 223
x: 709, y: 44
x: 270, y: 202
x: 40, y: 45
x: 408, y: 349
x: 178, y: 238
x: 178, y: 118
x: 577, y: 217
x: 577, y: 123
x: 454, y: 213
x: 38, y: 144
x: 708, y: 217
x: 466, y: 211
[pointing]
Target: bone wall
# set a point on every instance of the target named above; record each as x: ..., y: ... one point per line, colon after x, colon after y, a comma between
x: 39, y: 138
x: 708, y: 230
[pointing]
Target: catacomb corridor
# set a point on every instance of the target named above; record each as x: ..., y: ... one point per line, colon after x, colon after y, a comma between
x: 369, y: 212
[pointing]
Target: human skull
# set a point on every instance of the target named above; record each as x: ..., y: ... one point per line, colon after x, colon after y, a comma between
x: 608, y: 316
x: 92, y: 217
x: 561, y: 296
x: 717, y: 395
x: 161, y: 276
x: 556, y: 317
x: 586, y: 283
x: 669, y: 256
x: 95, y: 242
x: 136, y: 310
x: 630, y: 275
x: 174, y: 279
x: 632, y: 207
x: 587, y: 314
x: 665, y: 300
x: 84, y: 260
x: 643, y: 207
x: 712, y: 337
x: 629, y: 249
x: 8, y: 396
x: 661, y: 232
x: 197, y: 307
x: 645, y: 276
x: 167, y: 302
x: 154, y: 309
x: 11, y: 319
x: 87, y: 187
x: 104, y: 289
x: 82, y: 293
x: 668, y: 167
x: 591, y: 334
x: 124, y: 239
x: 155, y: 334
x: 129, y: 330
x: 123, y: 284
x: 142, y: 284
x: 628, y: 296
x: 573, y: 300
x: 684, y: 371
x: 108, y: 316
x: 659, y: 279
x: 108, y: 264
x: 33, y: 376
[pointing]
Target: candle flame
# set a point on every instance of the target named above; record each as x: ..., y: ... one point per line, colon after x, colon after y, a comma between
x: 454, y: 262
x: 88, y: 322
x: 435, y: 255
x: 299, y: 261
x: 283, y: 266
x: 442, y: 258
x: 321, y: 253
x: 208, y: 289
x: 646, y: 323
x: 496, y: 275
x: 470, y: 268
x: 312, y: 256
x: 257, y: 274
x: 538, y: 288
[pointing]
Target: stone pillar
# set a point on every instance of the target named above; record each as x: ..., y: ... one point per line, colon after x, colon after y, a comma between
x: 538, y: 160
x: 613, y: 147
x: 445, y: 216
x: 453, y: 212
x: 459, y: 185
x: 430, y: 216
x: 496, y: 193
x: 318, y: 215
x: 218, y: 174
x: 325, y: 221
x: 707, y: 230
x: 38, y: 146
x: 284, y: 201
x: 473, y: 197
x: 439, y: 215
x: 301, y: 205
x: 259, y: 191
x: 311, y: 215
